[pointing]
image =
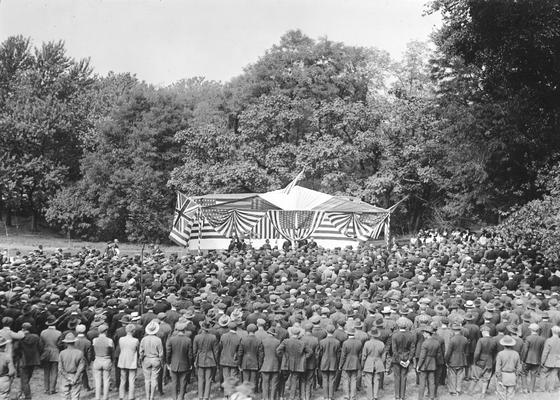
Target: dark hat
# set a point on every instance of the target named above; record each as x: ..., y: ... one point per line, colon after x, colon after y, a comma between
x: 51, y: 320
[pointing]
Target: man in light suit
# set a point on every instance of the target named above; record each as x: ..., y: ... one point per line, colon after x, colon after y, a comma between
x: 550, y: 359
x: 179, y: 357
x: 128, y: 361
x: 373, y: 362
x: 205, y: 355
x: 329, y: 357
x: 270, y: 366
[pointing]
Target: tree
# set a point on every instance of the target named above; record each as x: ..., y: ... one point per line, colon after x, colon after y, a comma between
x: 43, y: 111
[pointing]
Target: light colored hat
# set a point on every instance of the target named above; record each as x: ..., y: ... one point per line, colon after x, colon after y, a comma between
x: 69, y: 338
x: 152, y: 328
x: 507, y: 341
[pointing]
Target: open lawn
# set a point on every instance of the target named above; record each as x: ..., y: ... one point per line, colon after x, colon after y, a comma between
x: 22, y: 239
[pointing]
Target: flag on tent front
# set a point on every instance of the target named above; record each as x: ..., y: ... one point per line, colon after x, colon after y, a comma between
x: 185, y: 215
x: 293, y: 183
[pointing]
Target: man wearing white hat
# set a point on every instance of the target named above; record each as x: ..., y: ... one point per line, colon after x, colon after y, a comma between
x: 508, y: 366
x: 71, y: 365
x: 151, y: 357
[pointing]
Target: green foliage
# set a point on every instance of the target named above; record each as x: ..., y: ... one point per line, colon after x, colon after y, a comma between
x: 43, y: 109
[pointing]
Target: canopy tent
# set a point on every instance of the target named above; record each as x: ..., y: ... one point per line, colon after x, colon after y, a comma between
x: 210, y: 221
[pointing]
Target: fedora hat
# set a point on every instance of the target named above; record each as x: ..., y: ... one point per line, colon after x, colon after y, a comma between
x: 374, y: 333
x: 4, y: 341
x: 125, y: 320
x: 152, y: 328
x: 69, y: 338
x: 507, y: 341
x: 223, y: 321
x: 51, y: 320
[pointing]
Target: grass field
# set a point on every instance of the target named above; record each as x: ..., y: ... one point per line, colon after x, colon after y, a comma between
x: 412, y: 391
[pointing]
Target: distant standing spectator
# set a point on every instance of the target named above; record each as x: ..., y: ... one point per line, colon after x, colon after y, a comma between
x: 50, y: 338
x: 151, y: 357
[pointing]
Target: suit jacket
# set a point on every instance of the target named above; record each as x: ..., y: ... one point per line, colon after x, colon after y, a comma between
x: 250, y: 352
x: 551, y: 352
x: 294, y: 354
x: 128, y: 355
x: 350, y: 354
x: 329, y: 354
x: 472, y: 333
x: 485, y: 352
x: 430, y: 353
x: 270, y: 362
x: 456, y: 353
x: 229, y: 344
x: 205, y: 350
x: 50, y: 339
x: 373, y: 356
x: 179, y: 353
x: 402, y: 346
x: 31, y: 348
x: 313, y: 343
x: 532, y: 349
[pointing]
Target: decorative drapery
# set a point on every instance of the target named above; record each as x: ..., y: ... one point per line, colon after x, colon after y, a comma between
x: 186, y: 214
x: 232, y: 222
x: 358, y: 226
x: 295, y: 225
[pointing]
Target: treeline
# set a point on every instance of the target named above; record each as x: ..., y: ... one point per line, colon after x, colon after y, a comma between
x: 465, y: 127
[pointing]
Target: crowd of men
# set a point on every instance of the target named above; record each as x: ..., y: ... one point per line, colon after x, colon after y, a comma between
x: 458, y: 313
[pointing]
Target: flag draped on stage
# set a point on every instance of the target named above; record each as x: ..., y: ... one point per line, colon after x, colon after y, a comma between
x: 361, y: 227
x: 295, y: 225
x: 232, y: 222
x: 186, y: 213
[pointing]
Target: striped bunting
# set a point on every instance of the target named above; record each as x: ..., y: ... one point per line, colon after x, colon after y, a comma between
x: 232, y: 222
x: 264, y: 230
x: 358, y: 226
x: 295, y: 225
x: 184, y: 217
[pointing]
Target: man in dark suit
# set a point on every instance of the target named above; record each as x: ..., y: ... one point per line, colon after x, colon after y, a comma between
x: 229, y: 345
x: 250, y: 355
x: 483, y: 360
x: 328, y: 357
x: 308, y: 378
x: 350, y: 364
x: 205, y: 359
x: 402, y: 351
x: 179, y: 358
x: 294, y: 353
x: 531, y: 357
x: 270, y: 366
x: 456, y: 360
x: 472, y: 332
x: 430, y: 353
x: 30, y: 350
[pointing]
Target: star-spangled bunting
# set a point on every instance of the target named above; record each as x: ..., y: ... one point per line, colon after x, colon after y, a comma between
x: 358, y: 226
x: 295, y: 225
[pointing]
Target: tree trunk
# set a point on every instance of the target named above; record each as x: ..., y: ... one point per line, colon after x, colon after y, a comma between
x: 9, y: 218
x: 34, y: 222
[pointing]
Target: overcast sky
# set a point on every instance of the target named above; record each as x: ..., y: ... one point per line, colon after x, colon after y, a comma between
x: 163, y: 41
